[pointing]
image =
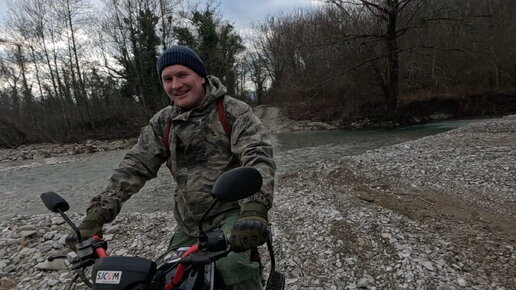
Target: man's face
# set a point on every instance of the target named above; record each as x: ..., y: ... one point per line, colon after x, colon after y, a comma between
x: 183, y: 86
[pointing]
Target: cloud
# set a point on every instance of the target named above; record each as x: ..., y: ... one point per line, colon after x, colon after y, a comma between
x: 243, y: 12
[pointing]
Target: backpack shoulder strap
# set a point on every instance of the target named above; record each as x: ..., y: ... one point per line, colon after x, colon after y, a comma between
x: 222, y: 116
x: 166, y: 137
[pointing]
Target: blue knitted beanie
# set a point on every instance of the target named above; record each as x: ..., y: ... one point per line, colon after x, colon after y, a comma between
x: 183, y: 55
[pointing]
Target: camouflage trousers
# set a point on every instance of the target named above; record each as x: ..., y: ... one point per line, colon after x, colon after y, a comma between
x: 238, y: 271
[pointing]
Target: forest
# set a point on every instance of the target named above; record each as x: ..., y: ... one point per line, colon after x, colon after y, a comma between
x: 70, y: 71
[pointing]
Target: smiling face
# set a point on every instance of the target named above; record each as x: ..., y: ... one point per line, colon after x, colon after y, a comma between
x: 183, y: 86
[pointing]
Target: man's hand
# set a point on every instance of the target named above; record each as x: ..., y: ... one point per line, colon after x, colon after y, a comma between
x: 89, y: 227
x: 251, y: 228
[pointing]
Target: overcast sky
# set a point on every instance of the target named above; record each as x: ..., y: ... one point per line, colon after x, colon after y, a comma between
x: 240, y: 12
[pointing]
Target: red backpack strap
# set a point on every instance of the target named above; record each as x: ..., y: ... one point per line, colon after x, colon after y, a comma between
x: 166, y: 138
x: 222, y: 116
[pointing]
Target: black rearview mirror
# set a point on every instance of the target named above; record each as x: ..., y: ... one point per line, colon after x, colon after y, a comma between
x: 237, y: 183
x: 54, y: 202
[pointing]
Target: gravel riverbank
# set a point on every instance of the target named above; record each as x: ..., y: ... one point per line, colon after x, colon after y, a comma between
x: 437, y: 213
x: 45, y: 150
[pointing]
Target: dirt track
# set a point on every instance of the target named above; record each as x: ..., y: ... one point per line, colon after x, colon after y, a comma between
x: 438, y: 213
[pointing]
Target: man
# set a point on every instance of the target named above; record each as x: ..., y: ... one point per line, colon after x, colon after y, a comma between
x: 190, y: 137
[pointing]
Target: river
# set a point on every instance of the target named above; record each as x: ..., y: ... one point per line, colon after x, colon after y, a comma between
x: 77, y: 178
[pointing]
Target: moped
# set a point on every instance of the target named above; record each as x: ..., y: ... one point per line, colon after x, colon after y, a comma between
x: 186, y: 268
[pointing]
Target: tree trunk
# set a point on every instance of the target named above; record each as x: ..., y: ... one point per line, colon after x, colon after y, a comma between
x: 392, y: 63
x: 27, y: 95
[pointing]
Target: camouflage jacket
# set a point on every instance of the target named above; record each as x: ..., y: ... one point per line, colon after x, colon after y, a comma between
x: 199, y: 152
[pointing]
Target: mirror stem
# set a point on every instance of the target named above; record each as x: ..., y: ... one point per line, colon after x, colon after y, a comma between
x: 65, y: 217
x: 212, y: 205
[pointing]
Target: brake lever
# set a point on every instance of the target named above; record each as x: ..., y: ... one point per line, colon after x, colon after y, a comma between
x: 83, y: 264
x: 203, y: 258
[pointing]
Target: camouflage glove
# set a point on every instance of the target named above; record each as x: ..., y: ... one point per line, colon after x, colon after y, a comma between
x: 89, y: 227
x: 251, y: 228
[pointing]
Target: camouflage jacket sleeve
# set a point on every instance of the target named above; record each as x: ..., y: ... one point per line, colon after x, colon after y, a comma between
x: 252, y: 144
x: 139, y: 164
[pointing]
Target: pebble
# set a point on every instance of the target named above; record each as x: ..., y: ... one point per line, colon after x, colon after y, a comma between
x: 48, y: 236
x: 9, y: 268
x: 9, y: 242
x: 62, y: 239
x: 428, y: 265
x: 363, y: 283
x: 45, y: 248
x: 6, y: 283
x: 121, y: 252
x: 297, y: 272
x: 27, y: 251
x: 25, y: 234
x: 57, y: 264
x: 58, y: 221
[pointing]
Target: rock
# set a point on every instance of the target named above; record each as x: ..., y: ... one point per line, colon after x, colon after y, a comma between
x: 25, y: 234
x: 121, y: 252
x: 48, y: 236
x: 62, y: 239
x: 108, y: 229
x: 9, y: 242
x: 52, y: 282
x: 428, y: 265
x: 462, y: 282
x: 363, y: 283
x: 57, y: 264
x: 57, y: 221
x: 6, y: 283
x: 44, y: 248
x: 386, y: 236
x: 297, y: 272
x: 9, y: 268
x: 27, y: 251
x: 15, y: 259
x: 27, y: 228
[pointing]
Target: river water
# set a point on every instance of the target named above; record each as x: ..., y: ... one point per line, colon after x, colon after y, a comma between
x: 78, y: 178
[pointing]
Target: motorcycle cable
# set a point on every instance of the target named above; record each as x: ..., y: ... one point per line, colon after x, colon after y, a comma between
x: 84, y: 278
x: 73, y: 281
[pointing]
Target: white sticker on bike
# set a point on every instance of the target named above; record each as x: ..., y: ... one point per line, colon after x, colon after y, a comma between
x: 108, y: 277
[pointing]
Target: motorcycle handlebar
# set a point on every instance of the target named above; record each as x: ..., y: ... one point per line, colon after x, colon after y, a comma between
x: 100, y: 251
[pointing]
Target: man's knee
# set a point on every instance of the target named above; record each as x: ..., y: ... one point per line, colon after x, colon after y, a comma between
x: 239, y: 272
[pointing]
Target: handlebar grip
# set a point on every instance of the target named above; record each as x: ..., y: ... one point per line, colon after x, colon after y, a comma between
x: 100, y: 251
